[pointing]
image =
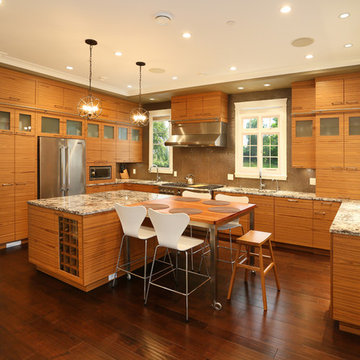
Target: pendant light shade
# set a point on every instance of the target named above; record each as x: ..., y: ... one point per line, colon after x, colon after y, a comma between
x: 89, y: 107
x: 139, y: 116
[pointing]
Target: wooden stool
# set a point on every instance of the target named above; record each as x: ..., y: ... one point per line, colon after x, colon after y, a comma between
x: 257, y: 239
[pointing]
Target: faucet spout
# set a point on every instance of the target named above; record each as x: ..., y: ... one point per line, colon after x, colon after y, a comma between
x: 157, y: 171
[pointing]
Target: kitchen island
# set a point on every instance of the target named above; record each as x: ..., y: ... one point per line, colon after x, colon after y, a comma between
x: 76, y: 239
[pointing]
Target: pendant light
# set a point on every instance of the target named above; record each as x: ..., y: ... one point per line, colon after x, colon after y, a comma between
x: 139, y: 116
x: 89, y: 107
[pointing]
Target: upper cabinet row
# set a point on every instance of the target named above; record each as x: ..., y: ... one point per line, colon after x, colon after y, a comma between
x: 340, y: 92
x: 23, y: 89
x: 205, y: 106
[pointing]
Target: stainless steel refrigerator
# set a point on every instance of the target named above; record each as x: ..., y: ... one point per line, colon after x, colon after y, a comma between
x: 61, y: 168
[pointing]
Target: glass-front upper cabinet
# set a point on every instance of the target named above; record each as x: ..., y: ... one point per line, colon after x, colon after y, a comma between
x: 135, y: 134
x: 330, y: 127
x: 25, y: 122
x: 6, y: 120
x: 304, y: 128
x: 123, y: 133
x: 74, y: 128
x: 50, y: 124
x: 109, y: 132
x: 93, y: 130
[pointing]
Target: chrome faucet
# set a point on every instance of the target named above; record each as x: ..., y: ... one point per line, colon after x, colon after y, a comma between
x: 261, y: 184
x: 277, y: 184
x: 157, y: 171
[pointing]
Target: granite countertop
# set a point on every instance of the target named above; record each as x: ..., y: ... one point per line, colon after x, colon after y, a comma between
x: 347, y: 219
x: 130, y: 181
x: 280, y: 193
x: 88, y: 204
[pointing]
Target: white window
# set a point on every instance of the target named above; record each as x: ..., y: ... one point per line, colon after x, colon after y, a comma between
x: 260, y: 139
x: 159, y: 132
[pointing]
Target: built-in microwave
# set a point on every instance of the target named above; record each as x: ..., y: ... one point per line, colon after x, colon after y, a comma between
x: 100, y: 172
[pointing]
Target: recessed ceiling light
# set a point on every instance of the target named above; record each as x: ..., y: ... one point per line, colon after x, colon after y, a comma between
x: 232, y: 68
x: 103, y: 78
x: 68, y: 67
x: 301, y: 42
x: 129, y: 86
x: 285, y: 9
x: 240, y: 88
x: 174, y: 77
x: 118, y: 53
x: 230, y: 22
x: 157, y: 70
x: 344, y: 15
x: 186, y: 35
x: 348, y: 45
x: 267, y: 85
x: 163, y: 18
x: 309, y: 56
x: 151, y: 99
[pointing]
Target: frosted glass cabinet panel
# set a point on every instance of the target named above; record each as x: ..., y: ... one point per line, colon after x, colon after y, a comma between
x: 25, y: 122
x: 329, y: 126
x: 4, y: 120
x: 304, y: 128
x: 73, y: 127
x: 122, y: 133
x: 108, y: 132
x: 50, y: 125
x: 354, y: 125
x: 135, y: 135
x: 93, y: 130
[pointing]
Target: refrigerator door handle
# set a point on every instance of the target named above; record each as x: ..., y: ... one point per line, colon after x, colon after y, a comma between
x: 62, y: 170
x: 68, y: 179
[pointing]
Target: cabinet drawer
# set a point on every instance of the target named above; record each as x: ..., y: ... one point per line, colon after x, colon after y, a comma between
x: 292, y: 230
x: 321, y: 234
x: 294, y: 207
x: 325, y: 210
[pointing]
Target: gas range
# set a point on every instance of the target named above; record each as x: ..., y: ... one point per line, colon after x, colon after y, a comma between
x: 176, y: 188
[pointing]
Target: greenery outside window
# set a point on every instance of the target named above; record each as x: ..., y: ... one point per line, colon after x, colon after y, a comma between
x: 260, y: 139
x: 159, y: 132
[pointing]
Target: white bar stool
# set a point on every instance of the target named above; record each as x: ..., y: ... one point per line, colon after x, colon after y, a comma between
x: 131, y: 218
x: 169, y: 229
x: 203, y: 249
x: 231, y: 225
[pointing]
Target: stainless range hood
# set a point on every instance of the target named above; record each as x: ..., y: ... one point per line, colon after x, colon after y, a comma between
x: 198, y: 134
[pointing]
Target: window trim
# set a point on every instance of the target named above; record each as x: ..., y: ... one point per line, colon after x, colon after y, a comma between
x: 153, y: 115
x: 259, y: 109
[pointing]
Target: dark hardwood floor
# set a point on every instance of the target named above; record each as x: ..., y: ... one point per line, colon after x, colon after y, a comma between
x: 42, y: 318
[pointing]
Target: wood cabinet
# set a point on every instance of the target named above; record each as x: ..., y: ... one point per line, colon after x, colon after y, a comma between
x: 108, y: 143
x: 7, y: 120
x: 17, y: 88
x: 141, y: 187
x: 25, y: 122
x: 293, y: 221
x: 7, y: 188
x: 122, y: 146
x: 199, y: 106
x: 323, y: 215
x: 101, y: 188
x: 50, y: 125
x: 352, y: 141
x: 135, y: 144
x: 338, y: 92
x: 303, y: 141
x: 303, y: 97
x: 345, y: 285
x: 93, y: 142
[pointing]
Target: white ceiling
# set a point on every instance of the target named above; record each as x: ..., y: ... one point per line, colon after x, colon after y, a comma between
x: 45, y: 36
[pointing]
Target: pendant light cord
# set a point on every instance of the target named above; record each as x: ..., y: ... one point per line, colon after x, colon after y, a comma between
x: 90, y: 72
x: 140, y: 89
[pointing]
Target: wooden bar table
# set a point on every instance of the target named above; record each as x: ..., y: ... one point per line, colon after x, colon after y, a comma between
x: 208, y: 217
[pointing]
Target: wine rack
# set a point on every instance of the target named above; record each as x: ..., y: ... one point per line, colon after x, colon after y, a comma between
x: 69, y: 246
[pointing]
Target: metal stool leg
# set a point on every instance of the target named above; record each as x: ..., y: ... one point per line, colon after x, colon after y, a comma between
x: 145, y: 266
x: 151, y: 273
x: 118, y: 260
x: 187, y: 286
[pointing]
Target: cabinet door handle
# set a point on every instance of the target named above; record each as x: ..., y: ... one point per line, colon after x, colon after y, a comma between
x: 337, y: 103
x: 13, y: 98
x: 20, y: 183
x: 292, y: 200
x: 59, y: 106
x: 336, y: 168
x: 320, y: 212
x: 352, y: 102
x: 297, y: 107
x: 351, y: 168
x: 7, y: 184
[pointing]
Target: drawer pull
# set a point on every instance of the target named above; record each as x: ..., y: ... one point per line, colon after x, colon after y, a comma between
x: 20, y: 183
x: 14, y: 98
x: 320, y: 212
x: 292, y: 200
x: 7, y: 184
x: 59, y: 106
x: 352, y: 168
x: 337, y: 103
x: 352, y: 102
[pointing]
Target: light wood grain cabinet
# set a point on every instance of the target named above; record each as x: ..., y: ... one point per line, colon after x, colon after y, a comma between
x: 25, y: 122
x: 122, y: 144
x: 93, y: 143
x: 303, y: 141
x: 345, y: 284
x: 135, y: 144
x: 303, y: 97
x: 17, y: 88
x: 212, y: 105
x: 7, y: 120
x: 293, y: 221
